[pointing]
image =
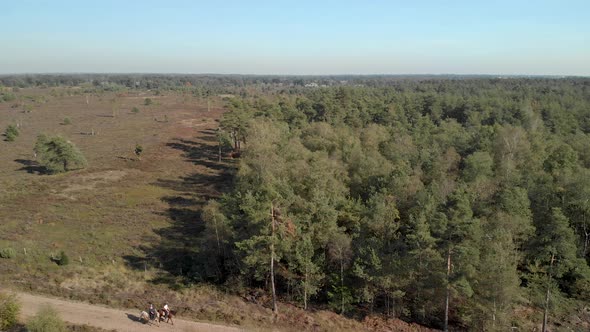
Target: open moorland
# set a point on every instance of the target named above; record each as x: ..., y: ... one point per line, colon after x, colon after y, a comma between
x: 118, y: 214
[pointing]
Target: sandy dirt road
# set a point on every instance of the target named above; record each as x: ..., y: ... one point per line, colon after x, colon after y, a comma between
x: 109, y: 319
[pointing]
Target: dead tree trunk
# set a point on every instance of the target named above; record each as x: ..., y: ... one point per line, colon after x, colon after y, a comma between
x: 341, y: 285
x: 446, y: 326
x: 275, y: 310
x: 494, y: 315
x: 586, y: 235
x: 305, y: 290
x: 546, y: 312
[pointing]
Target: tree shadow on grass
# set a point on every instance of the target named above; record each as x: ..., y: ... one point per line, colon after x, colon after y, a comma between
x: 176, y: 252
x: 195, y: 188
x: 31, y: 167
x: 19, y: 327
x: 204, y: 152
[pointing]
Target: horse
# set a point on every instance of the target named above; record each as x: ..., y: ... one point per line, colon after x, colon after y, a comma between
x: 167, y: 318
x: 234, y: 155
x: 144, y: 316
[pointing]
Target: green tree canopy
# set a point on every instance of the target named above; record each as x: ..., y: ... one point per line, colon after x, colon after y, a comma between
x: 57, y: 154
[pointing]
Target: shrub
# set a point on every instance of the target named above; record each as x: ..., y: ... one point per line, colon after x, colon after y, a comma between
x: 8, y: 97
x: 9, y: 309
x: 67, y: 121
x: 7, y: 253
x: 62, y: 259
x: 11, y: 133
x: 147, y: 102
x: 135, y: 110
x: 46, y: 320
x: 138, y: 150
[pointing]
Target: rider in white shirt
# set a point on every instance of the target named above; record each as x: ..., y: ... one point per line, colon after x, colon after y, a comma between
x: 167, y: 309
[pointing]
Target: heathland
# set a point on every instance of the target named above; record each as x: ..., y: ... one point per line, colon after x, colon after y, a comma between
x: 334, y: 203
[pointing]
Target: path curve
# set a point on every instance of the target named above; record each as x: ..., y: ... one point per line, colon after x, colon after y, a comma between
x: 109, y: 319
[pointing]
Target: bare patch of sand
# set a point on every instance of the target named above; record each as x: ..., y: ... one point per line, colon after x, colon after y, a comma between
x: 89, y: 181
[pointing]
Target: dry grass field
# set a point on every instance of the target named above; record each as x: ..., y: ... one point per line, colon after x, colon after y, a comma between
x: 105, y: 212
x: 119, y: 212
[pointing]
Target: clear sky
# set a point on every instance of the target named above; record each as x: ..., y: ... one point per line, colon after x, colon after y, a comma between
x: 296, y: 37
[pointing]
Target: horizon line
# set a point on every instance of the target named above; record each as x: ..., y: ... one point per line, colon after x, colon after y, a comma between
x: 296, y: 75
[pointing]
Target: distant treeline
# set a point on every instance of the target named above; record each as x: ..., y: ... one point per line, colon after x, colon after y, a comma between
x: 171, y: 81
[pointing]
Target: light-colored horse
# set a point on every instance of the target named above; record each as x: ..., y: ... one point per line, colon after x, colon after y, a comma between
x: 144, y: 316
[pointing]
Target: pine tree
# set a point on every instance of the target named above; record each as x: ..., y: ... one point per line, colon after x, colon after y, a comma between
x: 556, y: 251
x: 57, y: 154
x: 460, y: 244
x: 309, y: 268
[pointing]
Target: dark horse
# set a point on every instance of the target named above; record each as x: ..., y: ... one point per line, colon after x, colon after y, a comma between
x: 167, y: 318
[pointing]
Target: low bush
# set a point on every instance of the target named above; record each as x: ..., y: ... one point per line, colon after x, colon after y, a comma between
x: 46, y: 320
x: 7, y: 253
x: 7, y: 96
x: 62, y: 259
x: 138, y: 150
x: 9, y: 310
x: 11, y: 133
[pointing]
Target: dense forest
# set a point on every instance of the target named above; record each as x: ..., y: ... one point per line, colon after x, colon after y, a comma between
x: 437, y: 201
x: 444, y: 201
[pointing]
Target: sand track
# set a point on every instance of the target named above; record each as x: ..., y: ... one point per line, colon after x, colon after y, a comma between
x: 110, y: 319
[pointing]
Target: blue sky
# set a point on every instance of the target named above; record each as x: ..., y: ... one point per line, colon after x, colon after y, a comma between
x: 296, y: 37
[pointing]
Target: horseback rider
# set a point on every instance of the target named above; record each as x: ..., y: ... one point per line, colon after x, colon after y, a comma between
x: 152, y: 311
x: 166, y: 310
